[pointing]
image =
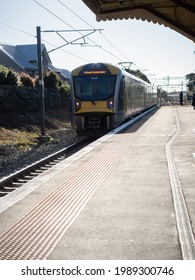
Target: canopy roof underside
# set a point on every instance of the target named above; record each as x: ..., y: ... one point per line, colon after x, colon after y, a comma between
x: 178, y: 15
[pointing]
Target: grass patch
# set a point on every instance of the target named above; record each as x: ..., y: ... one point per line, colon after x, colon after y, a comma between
x: 21, y: 139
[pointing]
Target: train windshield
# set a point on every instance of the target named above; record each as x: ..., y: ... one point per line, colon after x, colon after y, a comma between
x: 94, y: 88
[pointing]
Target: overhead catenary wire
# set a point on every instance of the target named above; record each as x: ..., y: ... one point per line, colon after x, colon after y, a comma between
x: 61, y: 19
x: 17, y: 29
x: 73, y: 54
x: 32, y: 35
x: 119, y: 59
x: 93, y: 27
x: 68, y: 52
x: 53, y: 13
x: 126, y: 58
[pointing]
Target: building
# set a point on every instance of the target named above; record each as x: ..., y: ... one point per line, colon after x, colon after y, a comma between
x: 23, y: 58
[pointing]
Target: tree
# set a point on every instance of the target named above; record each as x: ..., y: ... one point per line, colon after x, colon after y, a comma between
x: 138, y: 74
x: 190, y: 81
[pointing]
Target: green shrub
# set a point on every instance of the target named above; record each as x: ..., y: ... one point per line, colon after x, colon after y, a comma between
x: 3, y: 74
x: 52, y: 80
x: 8, y: 76
x: 26, y: 80
x: 12, y: 78
x: 65, y: 89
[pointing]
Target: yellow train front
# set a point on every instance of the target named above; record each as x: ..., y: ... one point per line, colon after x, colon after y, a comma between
x: 103, y: 96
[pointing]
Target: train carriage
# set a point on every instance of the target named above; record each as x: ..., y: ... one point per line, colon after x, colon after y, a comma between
x: 103, y: 96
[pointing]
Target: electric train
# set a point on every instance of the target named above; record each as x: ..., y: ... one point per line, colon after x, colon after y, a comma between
x: 103, y: 96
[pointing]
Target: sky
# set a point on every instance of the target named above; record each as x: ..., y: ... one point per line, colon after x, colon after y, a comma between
x: 156, y: 50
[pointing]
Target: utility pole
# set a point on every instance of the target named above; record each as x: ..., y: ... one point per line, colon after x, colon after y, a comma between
x: 43, y: 137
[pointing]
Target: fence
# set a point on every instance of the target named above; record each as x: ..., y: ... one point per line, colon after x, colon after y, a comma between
x: 27, y: 99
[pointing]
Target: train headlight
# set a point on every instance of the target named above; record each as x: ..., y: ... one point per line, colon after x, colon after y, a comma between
x: 110, y: 104
x: 77, y: 105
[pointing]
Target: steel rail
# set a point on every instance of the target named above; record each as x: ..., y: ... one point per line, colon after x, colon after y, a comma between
x: 32, y: 169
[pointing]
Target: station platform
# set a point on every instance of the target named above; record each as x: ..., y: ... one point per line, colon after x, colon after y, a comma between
x: 113, y: 199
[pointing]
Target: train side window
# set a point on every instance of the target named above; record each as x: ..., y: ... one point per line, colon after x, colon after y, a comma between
x: 121, y: 96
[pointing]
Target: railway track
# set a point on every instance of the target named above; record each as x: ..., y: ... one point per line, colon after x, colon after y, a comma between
x: 15, y: 180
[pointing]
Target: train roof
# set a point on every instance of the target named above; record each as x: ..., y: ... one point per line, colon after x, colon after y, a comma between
x: 125, y: 73
x: 95, y: 68
x: 103, y: 68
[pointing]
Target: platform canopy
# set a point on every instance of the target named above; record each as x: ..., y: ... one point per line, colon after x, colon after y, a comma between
x: 179, y: 15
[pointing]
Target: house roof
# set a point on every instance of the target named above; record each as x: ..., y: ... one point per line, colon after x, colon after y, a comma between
x: 65, y: 73
x: 30, y: 51
x: 178, y: 15
x: 16, y: 55
x: 25, y: 56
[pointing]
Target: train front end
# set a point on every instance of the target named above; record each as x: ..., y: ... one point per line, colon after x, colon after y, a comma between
x: 92, y: 98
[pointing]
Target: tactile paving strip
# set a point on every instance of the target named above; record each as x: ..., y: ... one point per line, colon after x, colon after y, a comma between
x: 36, y: 234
